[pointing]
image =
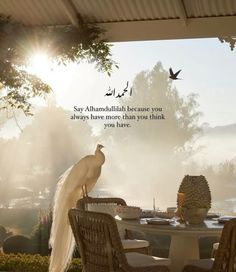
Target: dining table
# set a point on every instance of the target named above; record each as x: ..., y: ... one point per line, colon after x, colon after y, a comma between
x: 184, y: 244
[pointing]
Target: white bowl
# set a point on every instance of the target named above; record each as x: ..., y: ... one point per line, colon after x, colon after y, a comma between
x: 128, y: 212
x: 171, y: 209
x: 103, y: 208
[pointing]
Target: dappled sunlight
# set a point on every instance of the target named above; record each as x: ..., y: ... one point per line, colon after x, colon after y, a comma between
x: 40, y: 65
x: 35, y: 160
x: 146, y: 161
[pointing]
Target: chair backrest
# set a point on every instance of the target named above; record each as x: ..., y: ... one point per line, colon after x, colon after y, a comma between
x: 226, y: 253
x: 81, y: 203
x: 104, y: 205
x: 97, y: 237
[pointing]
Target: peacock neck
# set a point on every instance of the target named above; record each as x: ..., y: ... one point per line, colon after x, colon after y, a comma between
x: 100, y: 157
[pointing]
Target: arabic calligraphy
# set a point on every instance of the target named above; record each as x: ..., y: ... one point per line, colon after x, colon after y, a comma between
x: 112, y: 92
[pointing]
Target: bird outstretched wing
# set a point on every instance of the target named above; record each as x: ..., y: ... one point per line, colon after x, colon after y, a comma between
x: 176, y: 74
x: 171, y: 72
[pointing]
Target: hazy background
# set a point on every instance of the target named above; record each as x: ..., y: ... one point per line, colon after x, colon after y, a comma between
x: 142, y: 162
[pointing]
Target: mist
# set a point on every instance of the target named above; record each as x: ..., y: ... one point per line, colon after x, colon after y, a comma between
x: 32, y: 163
x: 145, y: 161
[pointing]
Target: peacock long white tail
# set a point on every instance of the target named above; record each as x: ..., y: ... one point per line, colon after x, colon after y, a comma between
x: 61, y: 238
x: 68, y: 192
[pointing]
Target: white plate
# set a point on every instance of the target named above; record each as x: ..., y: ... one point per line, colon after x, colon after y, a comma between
x: 224, y: 219
x: 159, y: 221
x: 166, y: 215
x: 212, y: 215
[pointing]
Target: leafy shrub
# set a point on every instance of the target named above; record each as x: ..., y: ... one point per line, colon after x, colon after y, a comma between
x: 17, y: 244
x: 41, y: 233
x: 31, y: 263
x: 3, y: 234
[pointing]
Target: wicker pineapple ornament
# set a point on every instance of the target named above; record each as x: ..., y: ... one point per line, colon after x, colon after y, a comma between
x: 193, y: 199
x: 197, y: 192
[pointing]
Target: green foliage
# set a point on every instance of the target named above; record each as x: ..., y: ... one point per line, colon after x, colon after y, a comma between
x: 21, y: 87
x: 41, y: 234
x: 63, y: 144
x: 157, y: 147
x: 154, y: 89
x: 221, y: 178
x: 63, y: 44
x: 227, y: 171
x: 29, y: 263
x: 17, y: 244
x: 4, y: 233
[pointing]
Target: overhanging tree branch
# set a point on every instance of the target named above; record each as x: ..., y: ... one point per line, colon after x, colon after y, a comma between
x: 63, y: 44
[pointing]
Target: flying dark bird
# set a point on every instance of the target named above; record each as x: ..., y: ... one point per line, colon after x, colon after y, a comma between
x: 173, y: 75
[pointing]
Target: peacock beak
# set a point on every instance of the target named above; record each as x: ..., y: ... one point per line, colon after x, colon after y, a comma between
x: 100, y: 146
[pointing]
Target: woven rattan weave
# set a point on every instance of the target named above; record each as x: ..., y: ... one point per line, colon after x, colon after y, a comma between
x: 226, y: 253
x: 100, y: 246
x: 82, y: 203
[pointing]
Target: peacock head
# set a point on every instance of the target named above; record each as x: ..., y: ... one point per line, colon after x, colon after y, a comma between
x: 99, y: 147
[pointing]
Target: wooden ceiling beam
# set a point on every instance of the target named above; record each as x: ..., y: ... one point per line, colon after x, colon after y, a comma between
x: 182, y: 12
x: 207, y: 27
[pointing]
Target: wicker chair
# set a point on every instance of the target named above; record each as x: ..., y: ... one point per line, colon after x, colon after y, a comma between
x: 225, y: 256
x: 100, y: 246
x: 129, y: 243
x: 81, y: 204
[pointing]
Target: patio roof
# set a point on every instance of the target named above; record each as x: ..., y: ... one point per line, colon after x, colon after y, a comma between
x: 132, y: 20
